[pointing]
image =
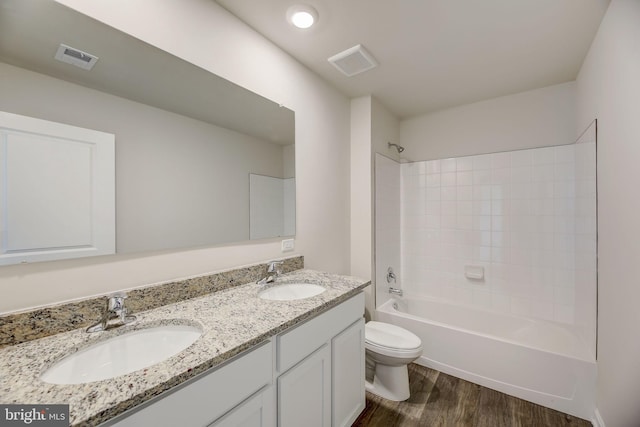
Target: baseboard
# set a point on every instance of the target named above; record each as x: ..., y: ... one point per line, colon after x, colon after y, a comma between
x: 597, y: 419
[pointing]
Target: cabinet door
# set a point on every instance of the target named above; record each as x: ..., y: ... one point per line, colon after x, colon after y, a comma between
x: 304, y: 392
x: 348, y: 366
x: 256, y: 411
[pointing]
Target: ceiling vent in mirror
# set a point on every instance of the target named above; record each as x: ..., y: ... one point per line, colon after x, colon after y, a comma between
x: 76, y: 57
x: 353, y: 61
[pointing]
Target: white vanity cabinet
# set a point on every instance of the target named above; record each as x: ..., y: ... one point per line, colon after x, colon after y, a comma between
x: 310, y: 375
x: 321, y: 368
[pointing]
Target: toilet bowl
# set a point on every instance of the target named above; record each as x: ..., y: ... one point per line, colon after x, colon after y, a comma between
x: 389, y: 349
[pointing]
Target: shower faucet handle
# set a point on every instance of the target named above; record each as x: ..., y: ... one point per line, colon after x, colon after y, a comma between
x: 391, y: 275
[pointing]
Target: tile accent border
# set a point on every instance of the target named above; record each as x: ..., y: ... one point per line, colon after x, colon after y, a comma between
x: 42, y: 322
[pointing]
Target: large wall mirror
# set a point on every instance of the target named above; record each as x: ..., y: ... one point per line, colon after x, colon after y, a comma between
x: 187, y: 142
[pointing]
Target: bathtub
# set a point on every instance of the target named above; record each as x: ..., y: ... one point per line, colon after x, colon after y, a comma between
x: 537, y: 361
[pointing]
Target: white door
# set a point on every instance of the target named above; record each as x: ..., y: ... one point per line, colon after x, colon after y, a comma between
x: 57, y: 191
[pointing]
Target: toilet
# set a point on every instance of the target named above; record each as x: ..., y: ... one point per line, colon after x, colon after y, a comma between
x: 389, y: 349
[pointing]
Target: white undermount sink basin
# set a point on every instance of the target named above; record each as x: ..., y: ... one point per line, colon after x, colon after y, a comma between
x: 122, y: 354
x: 291, y: 291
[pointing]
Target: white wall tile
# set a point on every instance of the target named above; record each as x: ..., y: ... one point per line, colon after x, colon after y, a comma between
x: 449, y: 207
x: 501, y: 160
x: 564, y: 314
x: 448, y: 193
x: 432, y: 166
x: 500, y: 223
x: 482, y: 222
x: 501, y: 176
x: 433, y: 180
x: 482, y: 162
x: 482, y: 177
x: 521, y: 174
x: 521, y: 306
x: 542, y: 190
x: 564, y: 154
x: 481, y: 207
x: 449, y: 221
x: 464, y: 163
x: 448, y: 165
x: 465, y: 222
x: 464, y: 178
x: 433, y: 193
x: 528, y: 216
x: 500, y: 207
x: 543, y: 172
x: 501, y: 191
x: 564, y: 172
x: 464, y: 192
x: 465, y: 207
x: 521, y: 158
x: 448, y: 179
x: 543, y: 156
x: 482, y: 192
x: 478, y: 238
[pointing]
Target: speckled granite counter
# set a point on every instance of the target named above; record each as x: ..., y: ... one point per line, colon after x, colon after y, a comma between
x: 232, y: 321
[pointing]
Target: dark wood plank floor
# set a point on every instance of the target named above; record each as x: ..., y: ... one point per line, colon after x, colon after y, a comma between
x: 440, y: 400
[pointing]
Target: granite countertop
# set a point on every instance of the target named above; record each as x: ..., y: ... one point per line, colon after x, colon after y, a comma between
x: 232, y: 321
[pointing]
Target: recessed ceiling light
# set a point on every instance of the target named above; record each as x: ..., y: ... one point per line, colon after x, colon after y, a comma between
x: 302, y: 15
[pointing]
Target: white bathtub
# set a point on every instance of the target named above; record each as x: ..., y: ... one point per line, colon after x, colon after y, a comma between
x: 537, y: 361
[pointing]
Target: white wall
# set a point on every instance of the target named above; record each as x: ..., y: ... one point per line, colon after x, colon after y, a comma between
x: 372, y: 127
x: 385, y: 128
x: 608, y: 88
x: 233, y: 51
x: 535, y: 118
x: 387, y: 227
x: 361, y: 190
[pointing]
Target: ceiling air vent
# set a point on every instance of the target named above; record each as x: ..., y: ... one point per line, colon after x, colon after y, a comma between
x: 353, y: 61
x: 76, y: 57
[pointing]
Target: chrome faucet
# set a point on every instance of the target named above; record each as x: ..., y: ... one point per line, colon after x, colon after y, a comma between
x: 272, y: 272
x: 114, y: 315
x: 395, y: 291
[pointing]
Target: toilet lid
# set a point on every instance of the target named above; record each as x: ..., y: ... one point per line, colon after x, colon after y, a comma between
x: 391, y: 336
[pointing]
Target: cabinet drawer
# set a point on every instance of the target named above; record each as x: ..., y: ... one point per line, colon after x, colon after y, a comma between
x: 209, y: 396
x: 296, y: 344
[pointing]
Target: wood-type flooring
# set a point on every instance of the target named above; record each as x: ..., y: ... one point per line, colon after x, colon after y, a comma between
x: 440, y: 400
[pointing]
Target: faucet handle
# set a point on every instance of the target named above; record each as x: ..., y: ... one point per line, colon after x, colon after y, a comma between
x: 116, y: 301
x: 273, y: 266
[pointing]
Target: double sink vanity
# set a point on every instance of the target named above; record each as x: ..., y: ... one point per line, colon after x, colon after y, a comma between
x: 285, y: 353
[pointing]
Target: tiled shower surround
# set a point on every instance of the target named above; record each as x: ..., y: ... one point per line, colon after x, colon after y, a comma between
x: 527, y: 217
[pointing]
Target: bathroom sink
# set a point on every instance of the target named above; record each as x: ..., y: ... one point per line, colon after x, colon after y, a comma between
x: 122, y: 354
x: 291, y: 291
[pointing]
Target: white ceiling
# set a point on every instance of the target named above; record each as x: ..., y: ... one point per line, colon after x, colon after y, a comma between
x: 435, y: 54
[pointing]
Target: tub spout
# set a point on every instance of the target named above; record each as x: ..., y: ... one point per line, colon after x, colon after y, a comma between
x: 395, y: 291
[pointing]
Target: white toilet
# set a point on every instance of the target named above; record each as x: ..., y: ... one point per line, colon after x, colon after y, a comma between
x: 389, y: 349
